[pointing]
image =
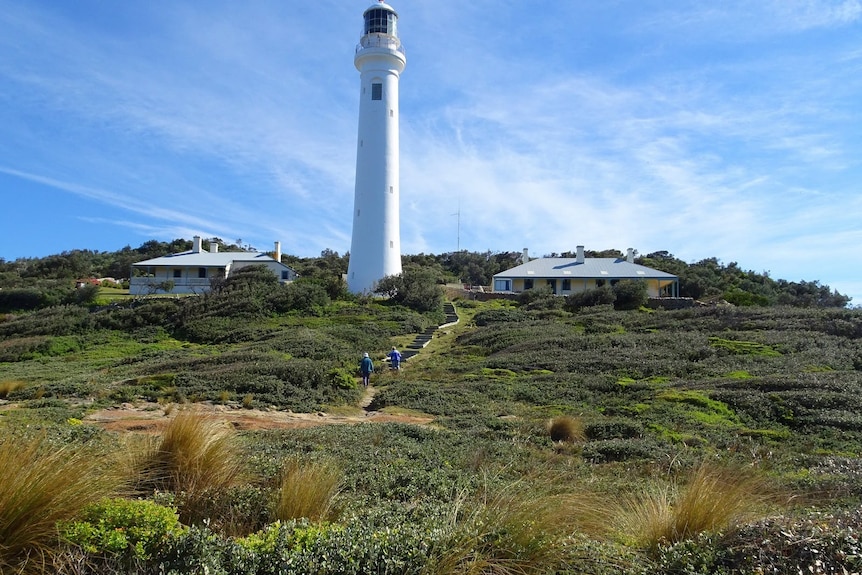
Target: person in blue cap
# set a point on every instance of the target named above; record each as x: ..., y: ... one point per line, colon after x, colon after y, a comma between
x: 366, y: 368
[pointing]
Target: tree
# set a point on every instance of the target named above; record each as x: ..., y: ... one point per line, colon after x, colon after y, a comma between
x: 417, y: 288
x: 86, y: 294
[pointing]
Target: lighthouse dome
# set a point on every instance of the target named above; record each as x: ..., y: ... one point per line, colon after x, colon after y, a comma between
x: 381, y: 4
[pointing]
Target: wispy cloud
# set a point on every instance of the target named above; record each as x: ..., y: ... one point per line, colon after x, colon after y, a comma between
x: 808, y: 14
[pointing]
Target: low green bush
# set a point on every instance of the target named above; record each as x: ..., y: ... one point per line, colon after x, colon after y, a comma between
x: 499, y: 315
x: 57, y: 320
x: 21, y: 299
x: 613, y: 429
x: 630, y: 294
x: 607, y: 450
x: 603, y: 295
x: 819, y: 542
x: 703, y: 555
x: 134, y: 528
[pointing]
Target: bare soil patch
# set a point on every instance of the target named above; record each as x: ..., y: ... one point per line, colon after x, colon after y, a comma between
x: 153, y: 417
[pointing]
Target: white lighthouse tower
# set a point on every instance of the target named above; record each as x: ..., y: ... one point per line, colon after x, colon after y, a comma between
x: 375, y: 250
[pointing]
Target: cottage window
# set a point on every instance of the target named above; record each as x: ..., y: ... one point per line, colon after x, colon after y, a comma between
x: 528, y: 283
x: 202, y: 273
x: 178, y: 273
x: 567, y: 285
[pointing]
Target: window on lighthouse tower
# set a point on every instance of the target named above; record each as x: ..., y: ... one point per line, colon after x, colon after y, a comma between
x: 376, y: 91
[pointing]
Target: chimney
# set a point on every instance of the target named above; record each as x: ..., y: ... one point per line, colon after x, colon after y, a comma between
x: 213, y: 247
x: 278, y: 252
x: 580, y: 258
x: 525, y: 256
x: 196, y: 247
x: 630, y: 255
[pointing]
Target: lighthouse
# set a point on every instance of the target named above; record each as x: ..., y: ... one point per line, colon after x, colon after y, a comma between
x: 375, y: 248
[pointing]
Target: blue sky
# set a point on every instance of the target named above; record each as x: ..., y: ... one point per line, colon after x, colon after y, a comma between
x: 729, y: 130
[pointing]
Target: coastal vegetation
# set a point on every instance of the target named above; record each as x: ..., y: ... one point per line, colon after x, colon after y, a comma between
x: 537, y: 435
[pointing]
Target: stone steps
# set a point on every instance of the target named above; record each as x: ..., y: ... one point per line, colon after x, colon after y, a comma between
x: 424, y: 338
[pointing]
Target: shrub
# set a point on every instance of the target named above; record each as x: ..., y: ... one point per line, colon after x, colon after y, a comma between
x: 501, y: 315
x: 540, y: 298
x: 416, y: 288
x: 607, y: 450
x: 740, y: 297
x: 135, y: 528
x: 630, y: 294
x: 20, y: 299
x: 86, y: 295
x: 603, y: 295
x: 352, y: 548
x: 819, y: 542
x: 42, y: 485
x: 613, y: 429
x: 200, y: 550
x: 57, y: 320
x: 702, y: 555
x: 301, y: 295
x: 308, y: 490
x: 342, y: 378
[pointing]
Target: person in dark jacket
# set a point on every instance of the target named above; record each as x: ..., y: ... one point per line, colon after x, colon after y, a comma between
x: 366, y: 368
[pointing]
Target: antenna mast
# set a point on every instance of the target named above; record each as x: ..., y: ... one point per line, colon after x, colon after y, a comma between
x: 458, y: 213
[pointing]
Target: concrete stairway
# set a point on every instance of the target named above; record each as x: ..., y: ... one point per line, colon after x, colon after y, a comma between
x: 425, y: 337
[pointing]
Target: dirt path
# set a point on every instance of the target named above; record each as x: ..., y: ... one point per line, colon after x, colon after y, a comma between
x: 147, y: 417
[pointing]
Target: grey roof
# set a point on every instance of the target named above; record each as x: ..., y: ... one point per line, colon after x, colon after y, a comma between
x: 208, y: 259
x: 611, y: 268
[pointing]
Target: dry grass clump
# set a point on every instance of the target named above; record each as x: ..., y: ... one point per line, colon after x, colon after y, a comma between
x: 567, y: 429
x: 8, y: 386
x: 41, y: 485
x: 308, y: 490
x: 714, y: 499
x: 196, y: 458
x: 513, y: 530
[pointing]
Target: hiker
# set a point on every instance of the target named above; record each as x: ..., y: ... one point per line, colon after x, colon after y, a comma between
x: 366, y: 368
x: 395, y: 358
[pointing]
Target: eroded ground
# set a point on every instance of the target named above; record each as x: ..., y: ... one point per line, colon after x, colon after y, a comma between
x: 153, y: 417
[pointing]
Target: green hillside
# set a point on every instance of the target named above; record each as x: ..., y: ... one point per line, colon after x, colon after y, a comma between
x: 716, y: 439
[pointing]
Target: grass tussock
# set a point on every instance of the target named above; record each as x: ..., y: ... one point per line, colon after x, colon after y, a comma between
x: 196, y: 458
x: 308, y: 490
x: 566, y: 429
x: 41, y: 485
x: 713, y: 500
x: 8, y: 386
x: 514, y: 530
